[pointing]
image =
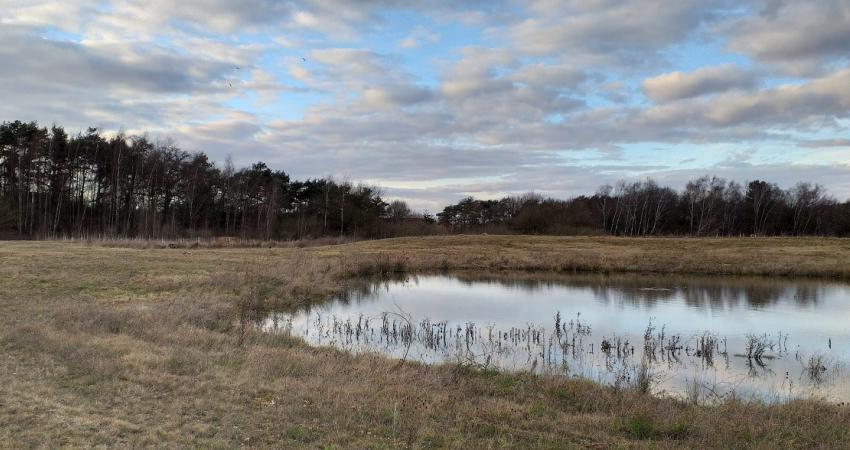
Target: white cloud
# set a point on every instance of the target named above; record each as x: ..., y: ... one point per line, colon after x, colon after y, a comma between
x: 418, y: 36
x: 67, y: 16
x: 708, y: 80
x: 820, y: 100
x: 503, y: 110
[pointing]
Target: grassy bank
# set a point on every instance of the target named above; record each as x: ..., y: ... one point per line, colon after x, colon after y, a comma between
x: 119, y: 346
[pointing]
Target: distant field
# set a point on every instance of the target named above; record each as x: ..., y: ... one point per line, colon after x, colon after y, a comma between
x: 121, y: 346
x: 752, y: 256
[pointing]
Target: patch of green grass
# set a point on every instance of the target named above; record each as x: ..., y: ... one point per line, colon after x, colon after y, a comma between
x: 184, y: 363
x: 640, y: 426
x: 301, y: 434
x: 484, y: 430
x: 538, y: 409
x: 680, y: 429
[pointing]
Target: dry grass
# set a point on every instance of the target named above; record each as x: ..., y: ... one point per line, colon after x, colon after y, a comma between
x: 114, y: 346
x: 207, y: 243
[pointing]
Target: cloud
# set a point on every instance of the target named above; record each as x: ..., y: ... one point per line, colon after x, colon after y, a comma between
x: 559, y: 76
x: 813, y: 104
x: 822, y: 143
x: 610, y: 31
x: 137, y: 19
x: 97, y: 66
x: 801, y: 38
x: 67, y: 16
x: 351, y: 70
x: 396, y: 96
x: 835, y: 176
x: 705, y: 81
x: 552, y: 95
x: 419, y: 35
x: 352, y: 62
x: 564, y: 181
x: 817, y: 101
x: 113, y: 85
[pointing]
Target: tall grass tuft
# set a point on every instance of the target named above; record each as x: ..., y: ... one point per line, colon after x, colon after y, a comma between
x: 643, y: 378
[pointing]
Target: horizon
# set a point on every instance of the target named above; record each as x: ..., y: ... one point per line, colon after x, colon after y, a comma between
x: 824, y: 194
x: 436, y: 103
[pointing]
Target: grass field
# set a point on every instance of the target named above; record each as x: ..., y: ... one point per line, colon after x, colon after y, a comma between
x: 122, y: 346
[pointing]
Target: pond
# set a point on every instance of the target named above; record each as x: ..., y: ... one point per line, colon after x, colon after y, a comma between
x: 697, y: 337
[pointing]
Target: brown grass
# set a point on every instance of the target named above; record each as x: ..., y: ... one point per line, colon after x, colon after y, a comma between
x: 120, y: 347
x: 207, y: 243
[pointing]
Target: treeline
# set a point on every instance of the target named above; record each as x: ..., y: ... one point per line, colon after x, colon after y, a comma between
x: 53, y: 184
x: 708, y: 206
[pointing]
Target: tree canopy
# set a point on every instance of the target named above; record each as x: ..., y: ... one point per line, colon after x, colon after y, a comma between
x: 53, y: 184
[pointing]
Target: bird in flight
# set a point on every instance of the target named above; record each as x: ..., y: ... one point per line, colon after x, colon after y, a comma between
x: 303, y: 59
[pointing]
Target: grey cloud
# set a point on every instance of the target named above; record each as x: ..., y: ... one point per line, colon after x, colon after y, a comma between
x: 801, y: 107
x: 800, y: 37
x: 553, y: 76
x: 564, y: 181
x: 489, y: 90
x: 501, y: 118
x: 476, y: 73
x: 223, y: 15
x: 236, y: 134
x: 708, y: 80
x: 824, y: 143
x: 397, y: 96
x: 354, y: 62
x: 115, y: 66
x: 347, y: 71
x: 109, y: 85
x: 508, y: 123
x: 59, y: 14
x: 818, y: 100
x: 610, y: 31
x: 136, y: 18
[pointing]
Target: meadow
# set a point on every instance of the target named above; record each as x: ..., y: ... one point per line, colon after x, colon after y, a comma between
x: 150, y: 343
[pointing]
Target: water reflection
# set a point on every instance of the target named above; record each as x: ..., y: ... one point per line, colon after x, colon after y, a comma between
x: 644, y: 290
x: 716, y: 337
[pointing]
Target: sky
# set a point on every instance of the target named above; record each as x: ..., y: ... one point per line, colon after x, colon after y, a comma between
x: 439, y: 100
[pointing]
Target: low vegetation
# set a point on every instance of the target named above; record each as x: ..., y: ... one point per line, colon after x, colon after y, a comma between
x: 142, y: 346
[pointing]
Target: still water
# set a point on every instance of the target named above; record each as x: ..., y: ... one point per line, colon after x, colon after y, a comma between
x: 705, y: 337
